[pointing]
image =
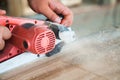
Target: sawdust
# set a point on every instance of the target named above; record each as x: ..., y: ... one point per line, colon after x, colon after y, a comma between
x: 98, y: 53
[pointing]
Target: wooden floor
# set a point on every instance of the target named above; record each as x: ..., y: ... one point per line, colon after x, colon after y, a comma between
x: 92, y: 57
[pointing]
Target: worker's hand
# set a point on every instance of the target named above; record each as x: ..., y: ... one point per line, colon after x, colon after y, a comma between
x: 4, y: 32
x: 2, y: 12
x: 51, y: 9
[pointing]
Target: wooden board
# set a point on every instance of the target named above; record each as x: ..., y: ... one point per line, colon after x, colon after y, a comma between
x: 94, y: 57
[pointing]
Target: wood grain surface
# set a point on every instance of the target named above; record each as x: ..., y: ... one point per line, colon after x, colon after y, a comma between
x: 94, y: 57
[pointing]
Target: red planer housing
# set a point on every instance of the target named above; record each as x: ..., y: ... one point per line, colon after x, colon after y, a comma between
x: 27, y: 35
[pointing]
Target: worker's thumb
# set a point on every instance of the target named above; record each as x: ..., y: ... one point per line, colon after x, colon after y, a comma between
x: 2, y: 12
x: 4, y: 33
x: 50, y: 14
x: 2, y: 43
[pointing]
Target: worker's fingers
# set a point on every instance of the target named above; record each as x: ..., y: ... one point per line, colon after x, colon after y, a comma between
x: 67, y: 21
x: 5, y: 33
x: 68, y: 18
x: 59, y: 8
x: 2, y: 12
x: 42, y: 7
x: 51, y: 15
x: 2, y: 43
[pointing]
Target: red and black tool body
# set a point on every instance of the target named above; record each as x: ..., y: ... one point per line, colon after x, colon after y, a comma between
x: 27, y: 35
